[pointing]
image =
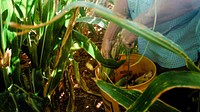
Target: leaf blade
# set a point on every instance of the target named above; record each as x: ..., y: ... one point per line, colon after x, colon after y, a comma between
x: 93, y: 50
x: 166, y: 81
x: 128, y: 97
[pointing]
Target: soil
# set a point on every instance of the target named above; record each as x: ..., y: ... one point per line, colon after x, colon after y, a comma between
x: 86, y: 102
x: 83, y: 101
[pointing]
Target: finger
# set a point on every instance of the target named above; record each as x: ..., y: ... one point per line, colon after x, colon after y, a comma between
x: 128, y: 44
x: 105, y: 53
x: 106, y: 48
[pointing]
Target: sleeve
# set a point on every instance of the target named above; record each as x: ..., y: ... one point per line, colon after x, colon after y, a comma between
x: 196, y: 4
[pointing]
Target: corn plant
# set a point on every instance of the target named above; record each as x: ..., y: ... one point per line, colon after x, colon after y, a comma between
x: 41, y: 31
x: 29, y: 87
x: 46, y: 30
x: 147, y: 99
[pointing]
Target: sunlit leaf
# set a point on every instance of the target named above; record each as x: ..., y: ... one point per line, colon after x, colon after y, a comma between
x: 30, y: 5
x: 71, y: 101
x: 7, y: 7
x: 165, y: 82
x: 6, y: 15
x: 93, y: 50
x: 127, y: 97
x: 19, y: 12
x: 48, y: 85
x: 21, y: 8
x: 137, y: 29
x: 10, y: 35
x: 92, y: 20
x: 79, y: 78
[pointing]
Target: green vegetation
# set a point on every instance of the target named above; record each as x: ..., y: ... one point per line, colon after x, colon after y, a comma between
x: 46, y: 31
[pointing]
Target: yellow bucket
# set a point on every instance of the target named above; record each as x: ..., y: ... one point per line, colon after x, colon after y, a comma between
x: 139, y: 65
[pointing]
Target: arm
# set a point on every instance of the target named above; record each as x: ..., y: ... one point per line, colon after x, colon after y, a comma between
x: 121, y: 8
x: 167, y: 10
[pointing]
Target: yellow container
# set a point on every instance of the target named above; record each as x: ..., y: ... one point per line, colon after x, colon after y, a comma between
x: 139, y: 65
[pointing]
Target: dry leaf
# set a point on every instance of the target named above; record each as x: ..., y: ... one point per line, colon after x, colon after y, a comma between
x: 5, y: 60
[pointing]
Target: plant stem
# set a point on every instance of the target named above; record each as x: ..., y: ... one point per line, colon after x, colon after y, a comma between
x: 128, y: 59
x: 2, y: 33
x: 198, y: 106
x: 5, y: 76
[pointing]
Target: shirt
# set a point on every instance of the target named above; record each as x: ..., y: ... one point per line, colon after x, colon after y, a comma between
x: 184, y: 31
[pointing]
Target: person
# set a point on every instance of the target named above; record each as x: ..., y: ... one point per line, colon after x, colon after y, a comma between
x: 179, y: 21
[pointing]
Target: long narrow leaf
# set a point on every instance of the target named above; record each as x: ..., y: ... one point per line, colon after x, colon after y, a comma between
x: 134, y: 27
x: 93, y: 50
x: 71, y: 102
x: 47, y: 38
x: 79, y: 78
x: 6, y: 15
x: 164, y: 82
x: 7, y: 9
x: 127, y: 97
x: 142, y: 31
x: 92, y: 20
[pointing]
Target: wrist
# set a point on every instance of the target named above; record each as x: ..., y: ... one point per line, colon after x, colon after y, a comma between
x: 145, y: 20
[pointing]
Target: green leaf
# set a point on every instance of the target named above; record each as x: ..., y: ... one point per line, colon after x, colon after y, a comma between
x: 30, y: 5
x: 48, y: 11
x: 53, y: 81
x: 48, y: 87
x: 71, y: 101
x: 93, y: 50
x: 79, y: 78
x: 7, y: 104
x: 35, y: 102
x: 46, y: 46
x: 20, y: 6
x: 47, y: 39
x: 57, y: 74
x: 18, y: 12
x: 37, y: 80
x: 7, y: 6
x: 10, y: 35
x: 83, y: 12
x: 15, y: 70
x: 137, y: 29
x: 6, y: 15
x: 16, y: 98
x: 134, y: 27
x: 166, y: 81
x: 93, y: 20
x: 127, y: 97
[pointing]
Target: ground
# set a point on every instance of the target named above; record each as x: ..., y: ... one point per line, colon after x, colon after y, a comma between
x: 85, y: 102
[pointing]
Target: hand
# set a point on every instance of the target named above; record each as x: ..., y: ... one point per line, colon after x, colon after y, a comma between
x: 106, y: 47
x: 128, y: 38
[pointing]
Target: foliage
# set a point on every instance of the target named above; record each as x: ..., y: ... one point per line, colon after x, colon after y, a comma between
x: 180, y: 79
x: 31, y: 87
x: 127, y: 97
x: 43, y: 30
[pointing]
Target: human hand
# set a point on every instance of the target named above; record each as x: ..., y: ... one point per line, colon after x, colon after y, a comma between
x: 106, y: 47
x: 128, y: 38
